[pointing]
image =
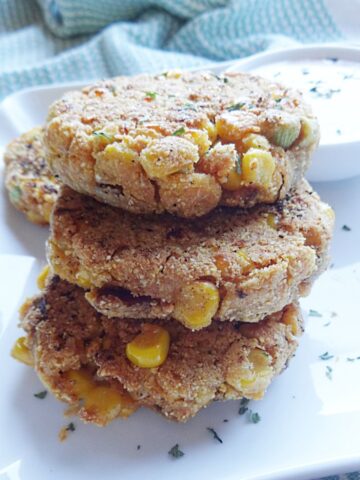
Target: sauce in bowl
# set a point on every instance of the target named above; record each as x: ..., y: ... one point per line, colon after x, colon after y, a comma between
x: 331, y: 86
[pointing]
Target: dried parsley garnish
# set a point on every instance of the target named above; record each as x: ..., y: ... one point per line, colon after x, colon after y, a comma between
x: 326, y: 356
x: 179, y: 131
x: 244, y: 402
x: 346, y: 228
x: 236, y: 106
x: 41, y: 395
x: 151, y: 95
x: 314, y: 313
x: 254, y: 417
x: 70, y: 427
x: 175, y: 451
x: 238, y: 164
x: 215, y: 435
x: 328, y: 373
x: 103, y: 135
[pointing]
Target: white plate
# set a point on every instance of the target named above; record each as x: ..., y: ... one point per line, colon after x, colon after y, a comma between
x: 309, y: 424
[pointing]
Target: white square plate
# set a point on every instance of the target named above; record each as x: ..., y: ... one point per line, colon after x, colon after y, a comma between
x: 310, y: 424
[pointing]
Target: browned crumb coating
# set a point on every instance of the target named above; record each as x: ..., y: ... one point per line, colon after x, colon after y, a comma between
x: 223, y: 361
x: 32, y: 188
x: 181, y: 143
x: 258, y: 260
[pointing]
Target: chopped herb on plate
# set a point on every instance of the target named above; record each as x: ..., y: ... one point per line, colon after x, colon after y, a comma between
x: 215, y: 435
x: 179, y: 131
x: 346, y: 228
x: 329, y: 371
x: 314, y: 313
x: 41, y: 395
x: 326, y: 356
x: 175, y: 451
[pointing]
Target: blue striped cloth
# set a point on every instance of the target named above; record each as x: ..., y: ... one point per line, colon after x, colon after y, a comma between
x: 54, y: 41
x: 47, y: 41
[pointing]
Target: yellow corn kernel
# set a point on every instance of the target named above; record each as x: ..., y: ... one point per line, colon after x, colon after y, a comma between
x: 35, y: 218
x: 272, y: 220
x: 258, y: 368
x: 83, y: 281
x: 41, y: 280
x: 253, y: 140
x: 196, y: 304
x: 258, y: 166
x: 200, y: 138
x: 21, y: 352
x: 211, y: 129
x: 290, y: 318
x: 150, y: 348
x: 100, y: 400
x: 82, y: 382
x: 107, y: 402
x: 234, y: 181
x: 169, y: 155
x: 222, y: 263
x: 119, y: 152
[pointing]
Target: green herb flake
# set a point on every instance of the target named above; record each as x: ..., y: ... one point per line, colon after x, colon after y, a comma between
x: 189, y: 106
x: 346, y: 228
x: 244, y: 402
x: 215, y: 435
x: 254, y: 417
x: 138, y: 447
x: 70, y: 427
x: 333, y: 314
x: 41, y: 395
x: 236, y: 106
x: 328, y: 372
x: 326, y: 356
x: 225, y: 420
x: 238, y: 164
x: 314, y: 313
x: 175, y: 451
x: 327, y: 324
x: 338, y: 131
x: 15, y: 194
x: 226, y: 80
x: 179, y: 131
x: 150, y: 95
x: 352, y: 359
x: 332, y: 59
x: 103, y: 135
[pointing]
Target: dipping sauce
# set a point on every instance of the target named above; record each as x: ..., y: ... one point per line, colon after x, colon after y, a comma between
x: 331, y: 86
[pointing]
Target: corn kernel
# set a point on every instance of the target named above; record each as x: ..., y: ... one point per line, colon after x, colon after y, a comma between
x: 167, y: 156
x: 234, y: 181
x: 150, y: 348
x: 82, y: 382
x: 83, y: 281
x: 21, y: 352
x: 100, y: 400
x: 272, y: 220
x: 25, y: 307
x: 253, y: 375
x: 233, y: 126
x: 41, y: 280
x: 290, y: 318
x: 197, y: 304
x: 211, y: 129
x: 35, y: 217
x: 252, y: 140
x: 200, y: 139
x: 107, y: 402
x: 258, y: 166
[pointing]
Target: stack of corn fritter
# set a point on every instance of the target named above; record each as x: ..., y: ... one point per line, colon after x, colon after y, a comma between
x: 182, y: 234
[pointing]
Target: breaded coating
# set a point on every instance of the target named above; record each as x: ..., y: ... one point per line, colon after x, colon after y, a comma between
x: 32, y: 188
x: 229, y: 265
x: 181, y: 142
x: 73, y: 345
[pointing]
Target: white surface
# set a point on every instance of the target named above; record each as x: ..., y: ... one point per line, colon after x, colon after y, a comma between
x: 309, y: 424
x: 339, y: 158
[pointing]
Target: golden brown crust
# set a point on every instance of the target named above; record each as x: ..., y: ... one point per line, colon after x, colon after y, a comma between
x: 123, y: 140
x: 65, y: 334
x: 135, y: 266
x: 32, y: 188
